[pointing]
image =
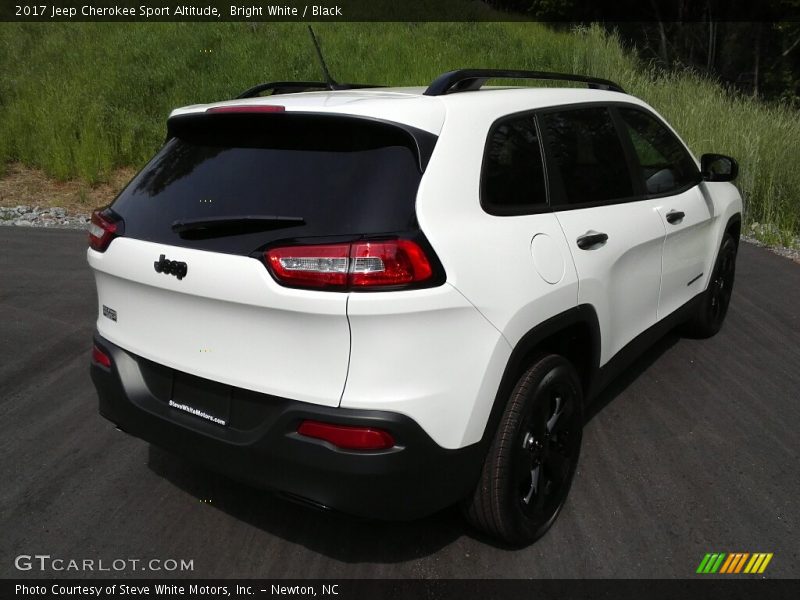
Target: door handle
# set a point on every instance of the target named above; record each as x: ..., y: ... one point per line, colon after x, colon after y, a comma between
x: 591, y: 240
x: 675, y: 216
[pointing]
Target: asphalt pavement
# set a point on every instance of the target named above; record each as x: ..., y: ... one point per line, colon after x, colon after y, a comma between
x: 695, y: 449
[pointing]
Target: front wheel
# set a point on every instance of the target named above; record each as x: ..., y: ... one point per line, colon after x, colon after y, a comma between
x: 530, y: 465
x: 713, y: 305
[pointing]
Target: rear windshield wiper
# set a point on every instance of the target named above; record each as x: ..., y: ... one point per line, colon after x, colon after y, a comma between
x: 233, y: 225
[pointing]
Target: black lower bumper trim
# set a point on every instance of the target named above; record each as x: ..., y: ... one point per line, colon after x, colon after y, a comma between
x: 261, y: 446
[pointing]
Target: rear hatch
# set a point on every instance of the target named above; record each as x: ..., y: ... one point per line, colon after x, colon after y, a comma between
x: 184, y: 281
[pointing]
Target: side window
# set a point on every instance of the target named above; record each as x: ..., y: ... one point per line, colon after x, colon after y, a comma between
x: 664, y: 164
x: 590, y: 163
x: 512, y: 180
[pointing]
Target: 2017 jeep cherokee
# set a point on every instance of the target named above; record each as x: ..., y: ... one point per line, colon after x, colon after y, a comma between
x: 386, y: 301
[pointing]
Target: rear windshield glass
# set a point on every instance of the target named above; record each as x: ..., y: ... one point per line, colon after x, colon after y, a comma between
x: 340, y: 176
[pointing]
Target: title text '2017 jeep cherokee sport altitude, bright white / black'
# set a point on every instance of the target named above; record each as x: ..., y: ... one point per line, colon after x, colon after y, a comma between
x: 386, y: 301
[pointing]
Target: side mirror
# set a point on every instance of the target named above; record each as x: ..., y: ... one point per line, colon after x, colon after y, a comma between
x: 718, y: 167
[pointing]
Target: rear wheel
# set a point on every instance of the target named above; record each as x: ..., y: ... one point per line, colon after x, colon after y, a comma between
x: 713, y: 306
x: 531, y: 463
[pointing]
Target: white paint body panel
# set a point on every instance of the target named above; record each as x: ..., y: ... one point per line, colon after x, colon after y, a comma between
x: 724, y: 202
x: 398, y: 105
x: 548, y: 258
x: 427, y: 354
x: 622, y: 278
x: 687, y: 246
x: 488, y: 258
x: 227, y: 320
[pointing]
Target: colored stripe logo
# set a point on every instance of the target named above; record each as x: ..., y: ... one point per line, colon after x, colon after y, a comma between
x: 734, y: 562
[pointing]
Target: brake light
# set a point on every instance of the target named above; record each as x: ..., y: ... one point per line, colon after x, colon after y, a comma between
x: 347, y: 437
x: 101, y: 231
x: 248, y: 108
x: 100, y: 357
x: 364, y: 265
x: 397, y: 262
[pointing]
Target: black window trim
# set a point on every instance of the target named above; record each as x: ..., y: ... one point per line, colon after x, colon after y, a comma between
x: 628, y: 142
x: 522, y: 210
x: 638, y: 184
x: 557, y: 204
x: 552, y: 204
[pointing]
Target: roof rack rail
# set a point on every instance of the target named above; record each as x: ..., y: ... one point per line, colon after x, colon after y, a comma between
x: 293, y: 87
x: 464, y: 80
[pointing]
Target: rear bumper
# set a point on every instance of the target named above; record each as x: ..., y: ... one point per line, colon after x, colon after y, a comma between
x: 260, y: 446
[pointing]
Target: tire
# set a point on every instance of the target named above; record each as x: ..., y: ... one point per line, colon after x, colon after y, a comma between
x: 529, y: 468
x: 713, y: 306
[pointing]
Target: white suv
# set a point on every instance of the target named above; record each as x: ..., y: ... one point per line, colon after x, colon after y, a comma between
x: 386, y: 301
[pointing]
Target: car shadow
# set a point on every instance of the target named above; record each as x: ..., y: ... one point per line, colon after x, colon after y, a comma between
x: 631, y: 374
x: 338, y: 536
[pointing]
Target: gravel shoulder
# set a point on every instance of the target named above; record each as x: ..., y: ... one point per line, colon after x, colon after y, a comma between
x: 34, y: 216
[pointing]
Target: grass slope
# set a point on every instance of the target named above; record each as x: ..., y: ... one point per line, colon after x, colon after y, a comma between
x: 82, y: 99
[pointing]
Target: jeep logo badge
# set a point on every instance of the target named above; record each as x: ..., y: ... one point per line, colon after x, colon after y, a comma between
x: 171, y: 267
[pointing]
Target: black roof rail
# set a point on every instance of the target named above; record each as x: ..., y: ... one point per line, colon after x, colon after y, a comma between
x: 464, y: 80
x: 293, y: 87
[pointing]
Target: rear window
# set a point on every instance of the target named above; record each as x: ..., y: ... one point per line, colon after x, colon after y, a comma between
x: 341, y: 176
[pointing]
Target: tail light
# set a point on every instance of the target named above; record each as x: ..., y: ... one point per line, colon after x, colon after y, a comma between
x: 365, y: 265
x: 100, y: 357
x: 322, y: 267
x: 102, y: 229
x: 347, y: 437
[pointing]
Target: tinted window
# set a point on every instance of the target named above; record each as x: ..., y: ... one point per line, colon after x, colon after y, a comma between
x: 512, y: 181
x: 341, y: 176
x: 590, y: 164
x: 665, y: 165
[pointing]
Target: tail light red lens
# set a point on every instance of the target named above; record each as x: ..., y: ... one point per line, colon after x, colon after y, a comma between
x: 101, y: 231
x: 397, y: 262
x: 321, y: 267
x: 366, y: 265
x: 347, y: 437
x: 100, y: 357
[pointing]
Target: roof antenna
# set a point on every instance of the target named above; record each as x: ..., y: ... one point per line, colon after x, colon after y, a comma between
x: 330, y: 81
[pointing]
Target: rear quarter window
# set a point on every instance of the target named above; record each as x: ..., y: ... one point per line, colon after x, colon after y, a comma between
x: 512, y: 176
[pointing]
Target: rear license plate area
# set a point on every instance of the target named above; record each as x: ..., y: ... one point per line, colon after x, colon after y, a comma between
x: 202, y: 398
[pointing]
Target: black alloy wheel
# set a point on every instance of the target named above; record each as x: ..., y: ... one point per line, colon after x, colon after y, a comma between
x: 532, y: 460
x: 714, y: 303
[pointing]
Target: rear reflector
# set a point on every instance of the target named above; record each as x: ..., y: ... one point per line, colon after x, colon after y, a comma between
x: 101, y: 230
x: 100, y: 357
x: 248, y: 108
x: 357, y: 266
x: 347, y: 437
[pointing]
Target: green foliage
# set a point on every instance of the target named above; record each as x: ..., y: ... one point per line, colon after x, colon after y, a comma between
x: 80, y: 99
